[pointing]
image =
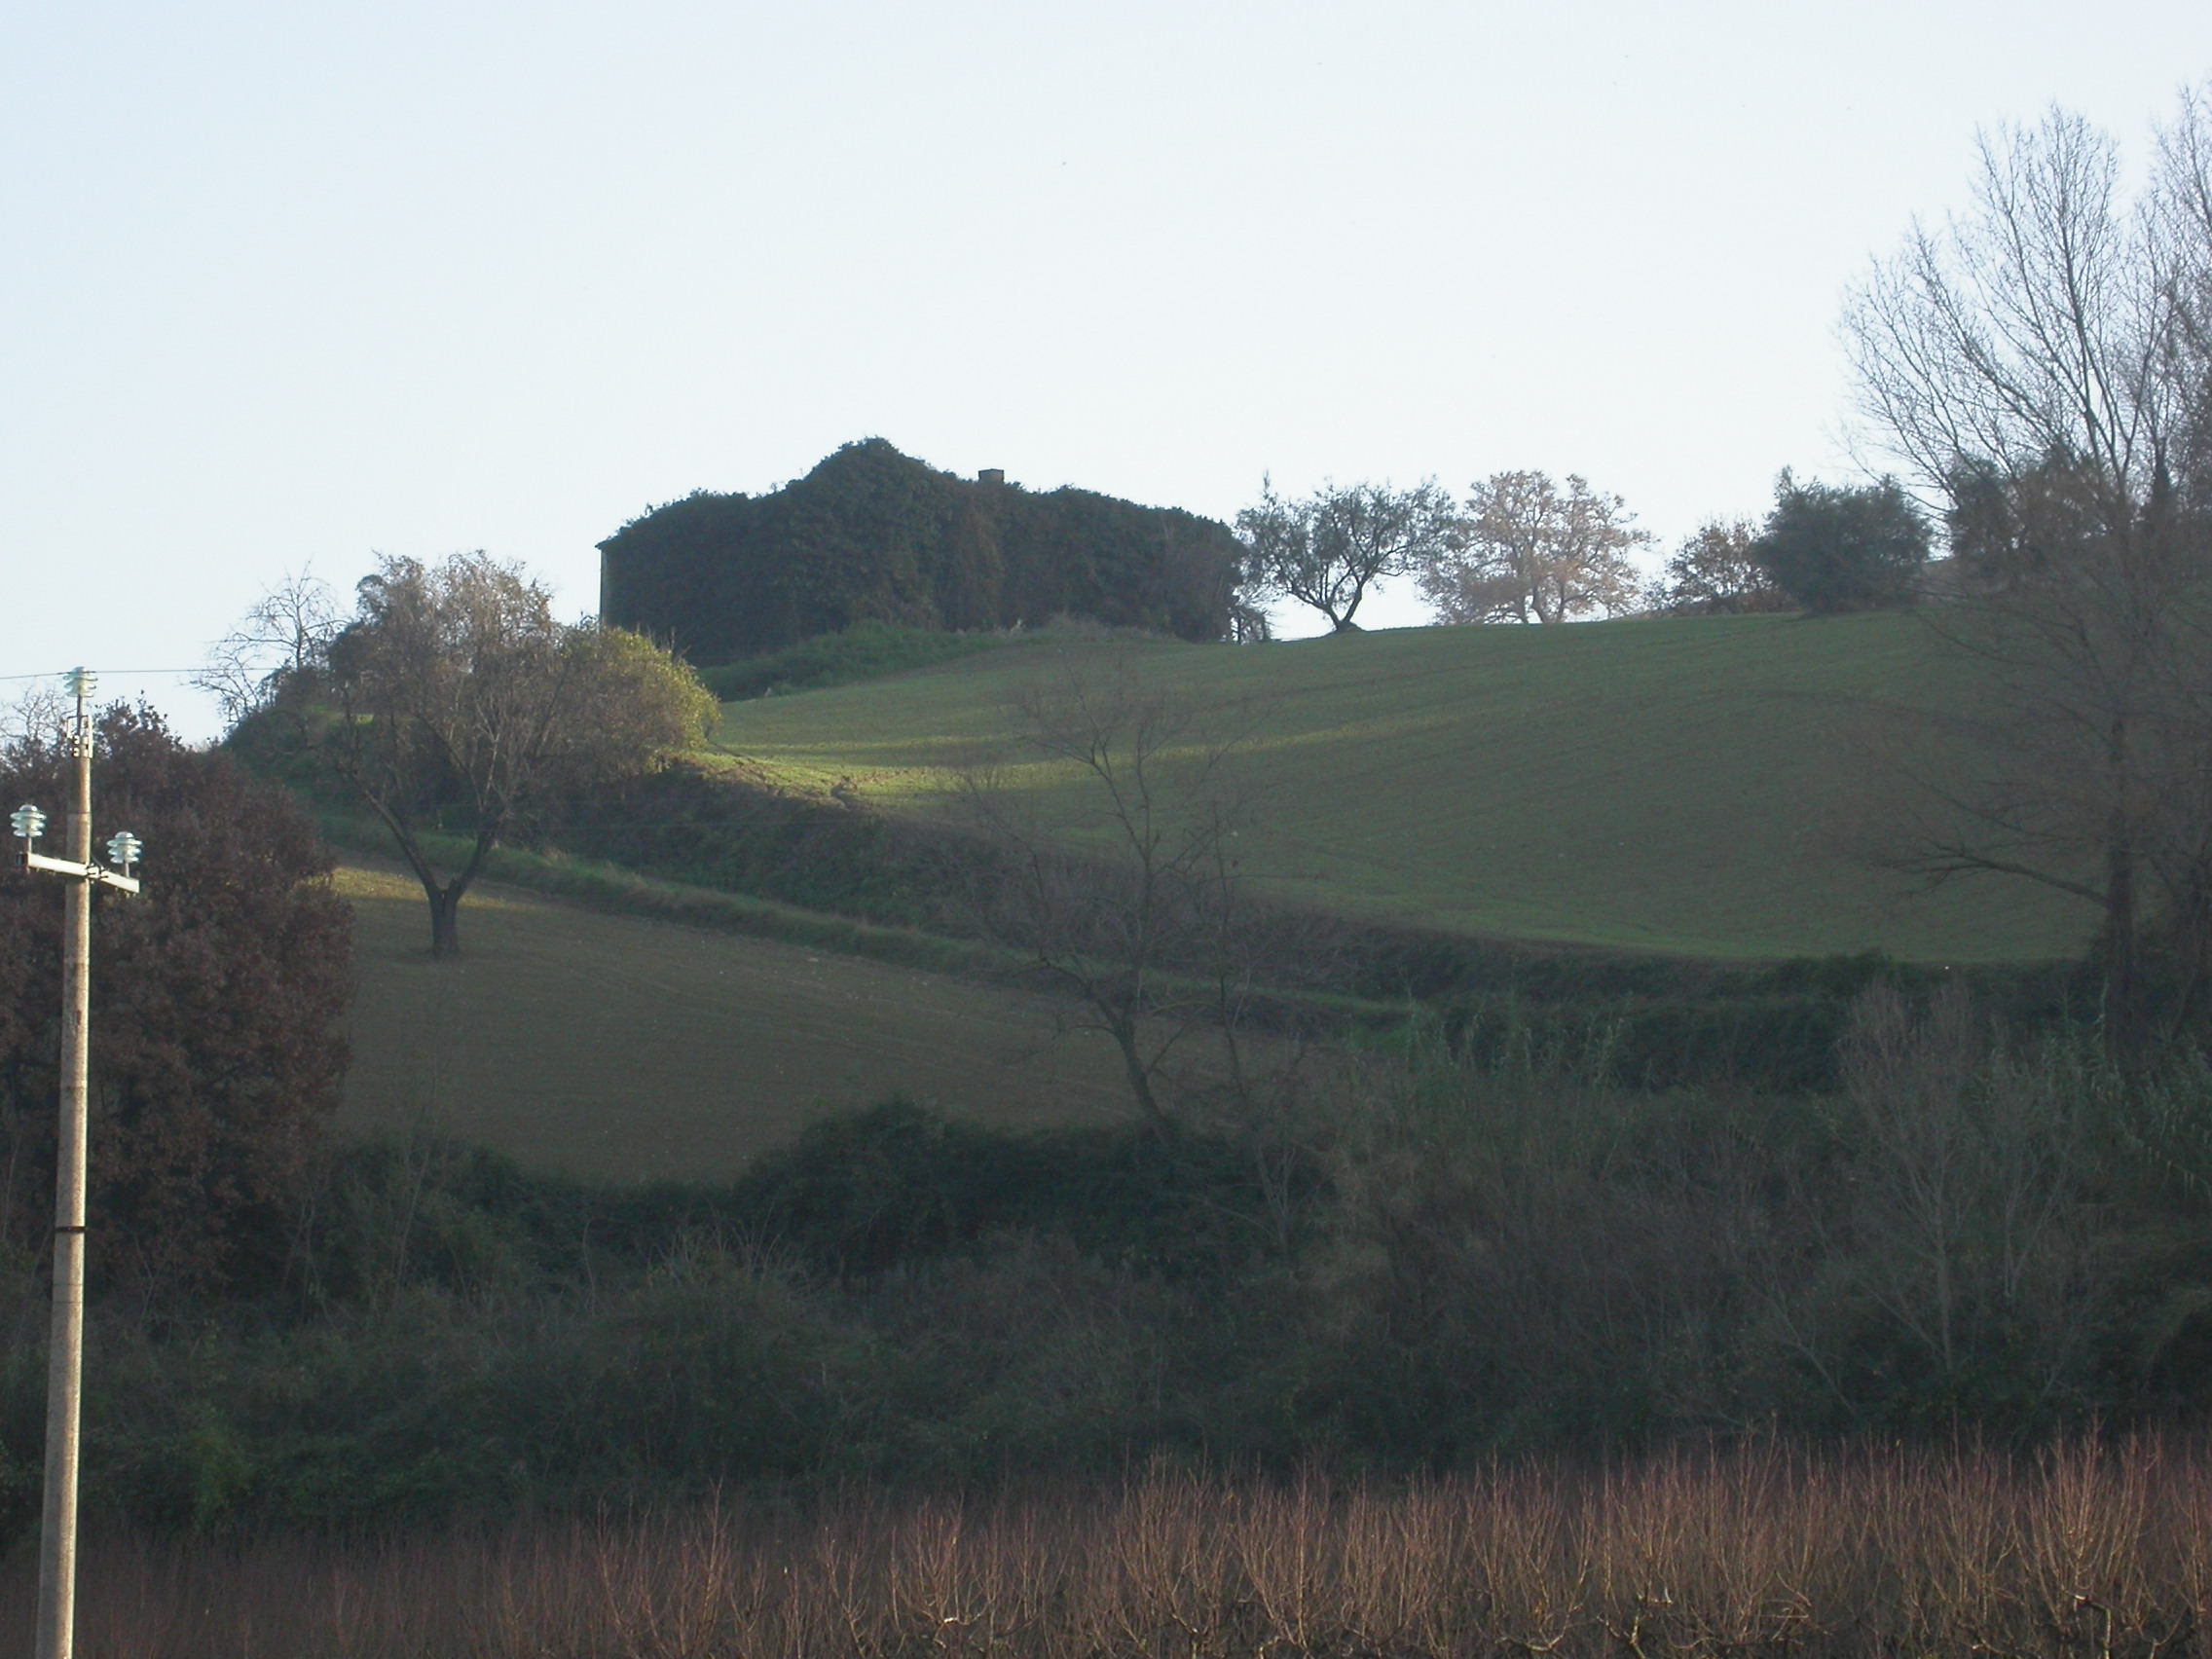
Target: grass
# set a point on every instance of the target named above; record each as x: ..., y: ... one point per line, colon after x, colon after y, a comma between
x: 1678, y: 785
x: 2089, y: 1549
x: 626, y: 1047
x: 603, y: 886
x: 867, y: 650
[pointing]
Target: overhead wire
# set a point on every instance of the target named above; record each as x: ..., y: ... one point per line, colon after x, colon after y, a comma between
x: 60, y: 673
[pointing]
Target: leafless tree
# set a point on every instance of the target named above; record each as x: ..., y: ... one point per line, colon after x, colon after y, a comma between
x: 454, y: 701
x: 1117, y: 829
x: 283, y: 636
x: 37, y: 715
x: 2038, y: 362
x: 1525, y: 552
x: 1971, y: 1163
x: 1327, y: 550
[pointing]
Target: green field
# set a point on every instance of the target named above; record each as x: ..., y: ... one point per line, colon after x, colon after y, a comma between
x: 618, y: 1046
x: 1678, y: 786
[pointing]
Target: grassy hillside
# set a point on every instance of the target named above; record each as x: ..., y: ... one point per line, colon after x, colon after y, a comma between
x: 1677, y: 786
x: 618, y: 1047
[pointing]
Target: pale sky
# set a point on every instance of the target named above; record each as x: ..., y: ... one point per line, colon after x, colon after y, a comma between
x: 283, y: 284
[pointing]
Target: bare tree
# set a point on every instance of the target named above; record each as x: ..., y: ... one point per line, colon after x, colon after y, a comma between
x: 283, y: 636
x: 2038, y: 362
x: 37, y: 715
x: 1117, y: 829
x: 2181, y: 214
x: 1327, y: 550
x: 1970, y: 1163
x: 454, y: 701
x: 1525, y: 552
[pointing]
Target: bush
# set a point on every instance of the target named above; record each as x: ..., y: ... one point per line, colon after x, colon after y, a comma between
x: 1840, y: 548
x: 1488, y: 1250
x: 218, y: 998
x: 723, y: 829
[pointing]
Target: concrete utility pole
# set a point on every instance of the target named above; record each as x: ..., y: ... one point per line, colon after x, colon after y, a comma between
x: 65, y: 1351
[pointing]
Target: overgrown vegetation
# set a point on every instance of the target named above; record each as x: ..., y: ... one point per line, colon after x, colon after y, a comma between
x: 872, y: 534
x: 1424, y: 1264
x: 2095, y: 1547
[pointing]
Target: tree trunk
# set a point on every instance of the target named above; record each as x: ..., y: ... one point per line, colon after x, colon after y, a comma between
x: 445, y: 918
x: 1123, y: 1028
x: 444, y: 895
x: 2123, y: 988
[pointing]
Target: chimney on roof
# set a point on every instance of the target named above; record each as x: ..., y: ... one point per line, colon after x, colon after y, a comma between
x: 991, y: 475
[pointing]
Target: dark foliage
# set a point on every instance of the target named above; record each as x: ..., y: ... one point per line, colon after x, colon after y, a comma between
x: 730, y: 831
x: 863, y: 1193
x: 1715, y: 572
x: 867, y: 650
x: 218, y: 1007
x: 1835, y: 548
x: 1491, y: 1248
x: 873, y: 536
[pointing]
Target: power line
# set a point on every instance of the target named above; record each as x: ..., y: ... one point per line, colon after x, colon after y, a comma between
x: 63, y: 674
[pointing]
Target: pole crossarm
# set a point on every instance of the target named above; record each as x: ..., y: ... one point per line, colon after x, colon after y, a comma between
x: 92, y: 873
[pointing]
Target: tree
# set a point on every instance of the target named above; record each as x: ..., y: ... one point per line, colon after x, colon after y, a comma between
x: 281, y: 637
x: 219, y: 1003
x: 1716, y: 572
x: 1327, y: 550
x: 1122, y: 884
x: 454, y: 702
x: 2044, y: 365
x: 1840, y: 547
x: 1526, y: 553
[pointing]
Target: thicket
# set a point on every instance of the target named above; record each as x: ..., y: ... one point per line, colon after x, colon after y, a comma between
x: 2093, y: 1548
x: 873, y: 536
x: 1428, y: 1263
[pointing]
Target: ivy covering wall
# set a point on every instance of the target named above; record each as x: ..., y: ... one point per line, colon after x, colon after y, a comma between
x: 872, y: 534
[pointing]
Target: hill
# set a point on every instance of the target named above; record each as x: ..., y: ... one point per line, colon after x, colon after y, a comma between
x: 1677, y: 786
x: 875, y: 535
x: 621, y: 1048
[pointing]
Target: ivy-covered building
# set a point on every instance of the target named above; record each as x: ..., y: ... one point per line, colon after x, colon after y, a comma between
x: 872, y: 534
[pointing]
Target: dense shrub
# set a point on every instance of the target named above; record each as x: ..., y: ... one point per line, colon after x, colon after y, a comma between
x: 218, y: 998
x: 727, y: 830
x: 1484, y: 1252
x: 1834, y: 548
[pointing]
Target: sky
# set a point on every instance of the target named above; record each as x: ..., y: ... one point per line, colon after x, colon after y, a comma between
x: 286, y: 286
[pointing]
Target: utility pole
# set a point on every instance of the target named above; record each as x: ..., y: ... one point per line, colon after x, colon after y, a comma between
x: 65, y: 1349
